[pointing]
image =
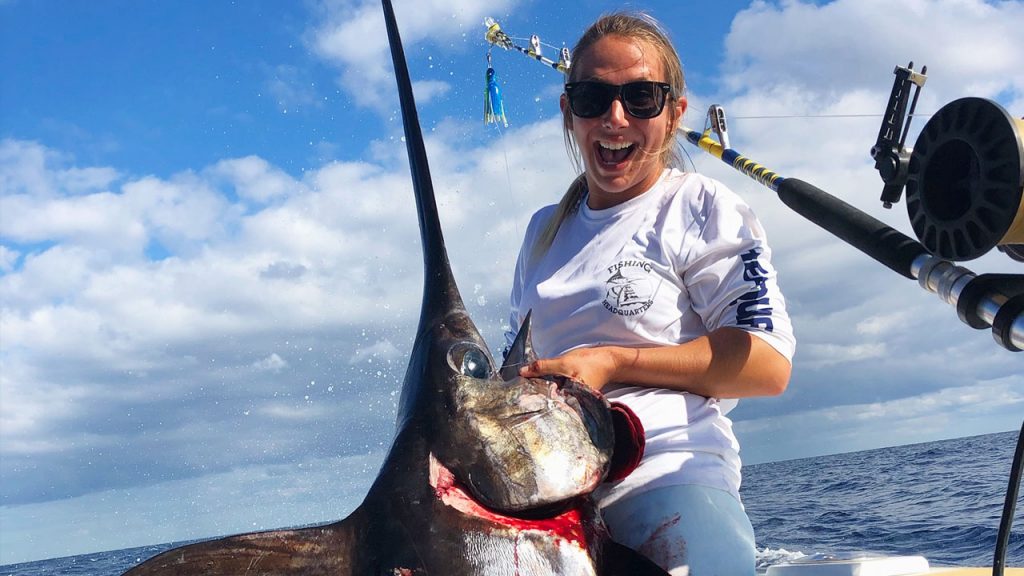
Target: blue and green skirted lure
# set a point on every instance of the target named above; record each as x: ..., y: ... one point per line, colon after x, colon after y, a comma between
x: 494, y: 108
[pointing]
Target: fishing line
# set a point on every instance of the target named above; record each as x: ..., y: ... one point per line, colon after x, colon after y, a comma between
x: 504, y: 153
x: 790, y: 116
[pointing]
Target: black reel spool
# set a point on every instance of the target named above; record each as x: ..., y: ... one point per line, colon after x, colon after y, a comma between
x: 966, y: 181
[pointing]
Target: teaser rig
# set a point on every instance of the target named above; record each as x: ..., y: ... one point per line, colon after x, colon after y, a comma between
x: 494, y: 106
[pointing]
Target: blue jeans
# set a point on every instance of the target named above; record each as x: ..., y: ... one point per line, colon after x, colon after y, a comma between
x: 688, y: 530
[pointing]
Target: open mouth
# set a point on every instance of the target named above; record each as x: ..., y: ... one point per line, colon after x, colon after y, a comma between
x: 613, y: 154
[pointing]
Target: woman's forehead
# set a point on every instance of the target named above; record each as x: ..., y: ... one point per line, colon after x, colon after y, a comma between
x: 620, y: 58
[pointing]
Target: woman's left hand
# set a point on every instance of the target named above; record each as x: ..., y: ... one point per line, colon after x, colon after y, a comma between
x: 594, y: 367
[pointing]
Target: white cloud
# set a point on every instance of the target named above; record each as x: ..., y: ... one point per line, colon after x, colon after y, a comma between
x: 878, y: 324
x: 101, y: 219
x: 8, y: 258
x: 970, y: 46
x: 382, y: 350
x: 182, y: 213
x: 950, y: 412
x: 291, y: 89
x: 428, y: 90
x: 254, y: 179
x: 29, y: 168
x: 81, y: 180
x: 299, y: 412
x: 23, y: 168
x: 272, y: 363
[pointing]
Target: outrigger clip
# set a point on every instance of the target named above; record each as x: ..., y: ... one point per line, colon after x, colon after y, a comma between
x: 892, y: 159
x: 564, y: 60
x: 535, y: 49
x: 716, y: 116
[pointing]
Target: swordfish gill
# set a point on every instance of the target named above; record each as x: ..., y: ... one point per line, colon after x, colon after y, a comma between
x: 489, y: 473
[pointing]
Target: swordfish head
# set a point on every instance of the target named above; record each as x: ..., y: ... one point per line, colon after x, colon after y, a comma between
x: 514, y: 444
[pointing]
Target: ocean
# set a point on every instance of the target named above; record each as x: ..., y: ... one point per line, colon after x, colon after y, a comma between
x: 942, y: 500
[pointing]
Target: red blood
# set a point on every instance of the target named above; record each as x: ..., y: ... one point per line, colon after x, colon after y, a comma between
x: 568, y: 525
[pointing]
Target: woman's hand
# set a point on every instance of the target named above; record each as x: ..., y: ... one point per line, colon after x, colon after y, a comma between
x: 594, y: 367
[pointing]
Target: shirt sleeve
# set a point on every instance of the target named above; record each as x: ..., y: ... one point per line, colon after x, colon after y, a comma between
x: 729, y: 274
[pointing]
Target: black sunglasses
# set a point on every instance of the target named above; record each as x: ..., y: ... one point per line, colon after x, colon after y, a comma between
x: 643, y: 100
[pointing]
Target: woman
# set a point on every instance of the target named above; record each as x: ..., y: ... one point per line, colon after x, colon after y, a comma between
x: 655, y: 287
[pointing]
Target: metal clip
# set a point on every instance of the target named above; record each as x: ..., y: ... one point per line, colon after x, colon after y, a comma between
x: 564, y: 60
x: 716, y: 115
x: 535, y: 45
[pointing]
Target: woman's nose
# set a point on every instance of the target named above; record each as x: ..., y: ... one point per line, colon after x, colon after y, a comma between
x: 615, y: 117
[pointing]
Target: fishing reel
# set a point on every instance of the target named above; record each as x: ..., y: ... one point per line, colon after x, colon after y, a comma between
x: 964, y: 182
x: 964, y: 177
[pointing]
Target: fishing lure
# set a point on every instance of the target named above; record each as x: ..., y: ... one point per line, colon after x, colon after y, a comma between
x: 494, y: 108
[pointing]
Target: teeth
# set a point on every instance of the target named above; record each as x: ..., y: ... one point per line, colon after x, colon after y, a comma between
x: 615, y: 145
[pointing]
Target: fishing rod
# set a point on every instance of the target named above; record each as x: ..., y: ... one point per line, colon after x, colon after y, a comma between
x: 981, y: 301
x: 964, y: 181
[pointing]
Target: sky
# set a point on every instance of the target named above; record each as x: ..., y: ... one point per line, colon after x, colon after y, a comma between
x: 210, y: 272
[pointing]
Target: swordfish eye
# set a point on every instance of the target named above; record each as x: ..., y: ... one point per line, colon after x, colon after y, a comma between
x: 468, y: 359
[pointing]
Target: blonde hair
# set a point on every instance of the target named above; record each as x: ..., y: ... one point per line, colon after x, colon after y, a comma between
x: 633, y: 26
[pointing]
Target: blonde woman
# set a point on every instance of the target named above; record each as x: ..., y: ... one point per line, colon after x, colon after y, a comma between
x: 655, y: 286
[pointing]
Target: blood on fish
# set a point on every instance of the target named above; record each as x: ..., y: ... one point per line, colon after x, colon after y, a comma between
x: 568, y: 525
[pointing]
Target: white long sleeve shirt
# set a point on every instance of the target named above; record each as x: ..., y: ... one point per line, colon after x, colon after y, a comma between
x: 679, y: 261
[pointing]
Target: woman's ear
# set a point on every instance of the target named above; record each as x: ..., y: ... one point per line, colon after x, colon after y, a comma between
x: 680, y: 109
x: 563, y: 104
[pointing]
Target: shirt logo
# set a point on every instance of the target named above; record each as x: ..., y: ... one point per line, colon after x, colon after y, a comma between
x: 628, y: 288
x: 754, y: 308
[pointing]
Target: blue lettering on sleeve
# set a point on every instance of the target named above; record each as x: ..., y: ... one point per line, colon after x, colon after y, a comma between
x: 754, y: 308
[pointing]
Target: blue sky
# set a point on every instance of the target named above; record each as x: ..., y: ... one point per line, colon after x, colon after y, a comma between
x: 210, y: 272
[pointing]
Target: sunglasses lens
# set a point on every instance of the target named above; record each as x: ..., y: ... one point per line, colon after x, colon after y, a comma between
x: 640, y: 99
x: 591, y: 99
x: 643, y: 99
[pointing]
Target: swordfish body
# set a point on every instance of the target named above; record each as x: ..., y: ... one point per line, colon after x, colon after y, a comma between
x: 489, y: 473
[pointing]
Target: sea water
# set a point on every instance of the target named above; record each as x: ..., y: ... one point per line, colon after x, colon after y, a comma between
x: 942, y: 500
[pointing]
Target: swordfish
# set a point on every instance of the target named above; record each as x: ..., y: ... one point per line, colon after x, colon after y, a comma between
x: 489, y: 472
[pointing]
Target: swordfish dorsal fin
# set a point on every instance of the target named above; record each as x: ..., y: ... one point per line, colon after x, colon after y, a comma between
x: 520, y: 353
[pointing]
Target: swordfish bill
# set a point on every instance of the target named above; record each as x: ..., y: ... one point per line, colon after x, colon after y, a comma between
x: 439, y: 286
